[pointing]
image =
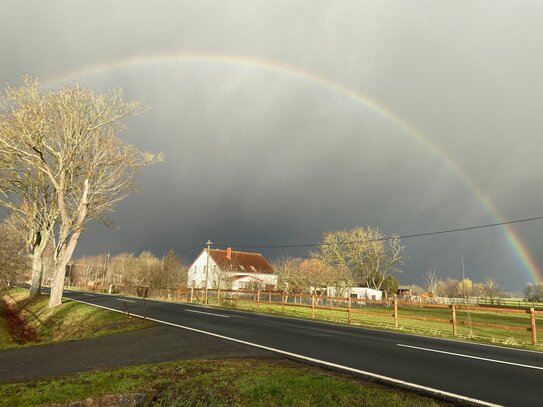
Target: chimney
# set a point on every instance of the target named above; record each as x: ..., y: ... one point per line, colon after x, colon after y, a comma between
x: 229, y: 253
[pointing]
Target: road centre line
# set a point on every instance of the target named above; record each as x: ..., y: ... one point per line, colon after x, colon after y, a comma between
x: 208, y: 313
x: 471, y: 357
x: 386, y: 379
x: 89, y: 295
x: 122, y: 299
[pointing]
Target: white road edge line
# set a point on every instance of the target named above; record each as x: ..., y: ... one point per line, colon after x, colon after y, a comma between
x: 471, y: 357
x: 208, y: 313
x: 89, y: 295
x: 122, y: 299
x: 322, y: 362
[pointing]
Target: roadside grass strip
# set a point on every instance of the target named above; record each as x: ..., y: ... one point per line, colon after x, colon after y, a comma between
x: 245, y: 382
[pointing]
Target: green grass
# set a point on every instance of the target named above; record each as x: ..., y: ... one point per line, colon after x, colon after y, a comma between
x: 246, y: 382
x: 70, y: 321
x: 5, y: 338
x: 520, y: 338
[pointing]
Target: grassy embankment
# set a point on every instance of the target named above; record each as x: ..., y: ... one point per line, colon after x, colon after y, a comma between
x: 5, y: 338
x: 248, y: 382
x: 34, y: 323
x: 519, y: 337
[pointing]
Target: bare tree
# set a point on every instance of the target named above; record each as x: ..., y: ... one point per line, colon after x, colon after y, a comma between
x: 366, y: 253
x: 431, y: 282
x: 491, y: 290
x: 75, y: 148
x: 288, y: 274
x: 24, y: 190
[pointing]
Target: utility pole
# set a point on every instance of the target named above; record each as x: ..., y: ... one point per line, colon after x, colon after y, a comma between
x: 106, y: 270
x: 209, y: 243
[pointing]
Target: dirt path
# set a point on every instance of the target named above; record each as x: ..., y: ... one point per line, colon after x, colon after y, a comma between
x: 151, y: 345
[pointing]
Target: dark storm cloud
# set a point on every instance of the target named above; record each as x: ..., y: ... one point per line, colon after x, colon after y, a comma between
x: 256, y: 156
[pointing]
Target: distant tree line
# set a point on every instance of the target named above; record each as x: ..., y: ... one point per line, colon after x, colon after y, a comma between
x: 128, y: 270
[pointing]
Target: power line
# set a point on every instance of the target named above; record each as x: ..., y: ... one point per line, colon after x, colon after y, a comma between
x: 386, y: 238
x: 440, y: 232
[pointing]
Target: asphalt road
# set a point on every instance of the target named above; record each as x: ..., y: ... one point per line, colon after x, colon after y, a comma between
x: 114, y: 351
x: 470, y: 372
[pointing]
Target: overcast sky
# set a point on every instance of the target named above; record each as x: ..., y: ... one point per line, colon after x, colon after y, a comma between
x: 278, y: 150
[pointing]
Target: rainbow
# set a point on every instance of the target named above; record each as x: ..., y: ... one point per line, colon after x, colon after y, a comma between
x: 517, y: 245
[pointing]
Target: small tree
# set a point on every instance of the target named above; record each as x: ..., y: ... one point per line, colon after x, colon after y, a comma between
x: 533, y: 292
x: 491, y: 290
x: 390, y: 286
x: 288, y: 274
x: 431, y: 282
x: 465, y: 288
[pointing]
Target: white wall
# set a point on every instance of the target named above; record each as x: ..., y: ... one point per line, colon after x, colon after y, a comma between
x: 197, y: 272
x: 359, y: 292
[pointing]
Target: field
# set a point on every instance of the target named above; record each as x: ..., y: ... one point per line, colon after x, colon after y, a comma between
x: 507, y: 327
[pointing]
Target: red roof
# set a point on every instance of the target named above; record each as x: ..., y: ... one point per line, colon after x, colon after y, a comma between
x: 241, y: 261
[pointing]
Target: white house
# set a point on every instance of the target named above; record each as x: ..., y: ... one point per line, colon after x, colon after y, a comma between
x: 229, y: 269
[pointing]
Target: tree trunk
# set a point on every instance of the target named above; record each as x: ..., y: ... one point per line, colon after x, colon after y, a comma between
x: 37, y: 268
x: 57, y: 285
x: 37, y: 273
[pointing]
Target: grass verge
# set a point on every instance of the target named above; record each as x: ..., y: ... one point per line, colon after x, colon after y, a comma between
x: 34, y: 323
x: 245, y: 382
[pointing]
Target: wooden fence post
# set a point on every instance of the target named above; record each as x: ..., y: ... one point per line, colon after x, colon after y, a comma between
x: 269, y: 297
x: 191, y: 294
x: 532, y: 322
x: 453, y: 307
x: 350, y: 308
x: 313, y: 306
x: 395, y: 313
x: 218, y: 296
x: 283, y: 302
x: 258, y: 298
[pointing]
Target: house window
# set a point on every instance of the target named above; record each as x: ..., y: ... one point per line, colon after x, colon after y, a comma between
x: 244, y: 285
x: 354, y: 296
